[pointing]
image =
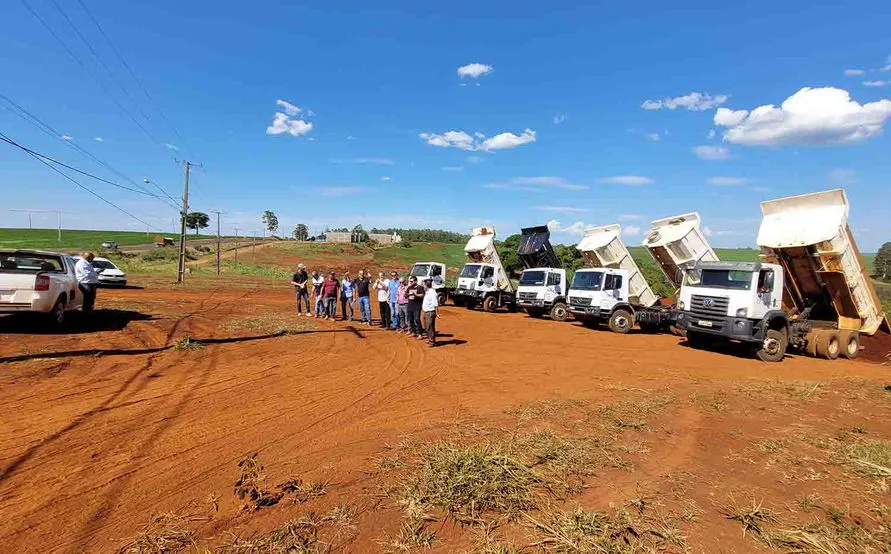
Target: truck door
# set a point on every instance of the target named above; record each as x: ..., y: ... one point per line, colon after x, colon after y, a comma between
x: 488, y: 276
x: 612, y: 291
x: 554, y: 288
x: 75, y: 297
x: 766, y: 299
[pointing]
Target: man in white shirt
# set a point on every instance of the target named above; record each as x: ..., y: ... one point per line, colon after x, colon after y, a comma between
x: 383, y: 299
x: 87, y: 280
x: 429, y: 307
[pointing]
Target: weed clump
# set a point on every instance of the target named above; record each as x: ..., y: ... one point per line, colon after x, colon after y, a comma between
x: 872, y: 458
x: 164, y: 533
x: 251, y: 485
x: 188, y: 344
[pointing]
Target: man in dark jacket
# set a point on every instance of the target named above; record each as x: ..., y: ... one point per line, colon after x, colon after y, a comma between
x: 329, y: 293
x: 363, y: 286
x: 300, y: 282
x: 415, y: 295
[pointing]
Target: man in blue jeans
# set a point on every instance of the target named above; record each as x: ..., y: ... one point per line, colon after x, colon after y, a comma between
x: 394, y: 298
x: 363, y: 286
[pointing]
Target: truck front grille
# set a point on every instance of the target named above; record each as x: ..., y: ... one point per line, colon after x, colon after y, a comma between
x: 577, y: 301
x: 527, y: 295
x: 709, y: 305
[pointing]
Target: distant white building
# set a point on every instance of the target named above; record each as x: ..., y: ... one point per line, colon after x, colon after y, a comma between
x: 346, y: 237
x: 383, y: 238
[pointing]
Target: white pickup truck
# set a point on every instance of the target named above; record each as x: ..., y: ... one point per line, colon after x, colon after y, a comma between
x: 32, y: 281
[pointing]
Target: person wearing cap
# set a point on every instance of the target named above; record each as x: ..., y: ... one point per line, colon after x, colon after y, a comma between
x: 393, y: 287
x: 363, y: 290
x: 382, y: 286
x: 329, y: 292
x: 347, y: 287
x: 319, y: 301
x: 430, y: 307
x: 299, y: 281
x: 415, y: 295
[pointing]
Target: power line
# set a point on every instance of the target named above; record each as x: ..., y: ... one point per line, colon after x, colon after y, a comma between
x: 60, y: 172
x: 132, y: 73
x: 45, y: 159
x: 52, y: 132
x: 91, y: 74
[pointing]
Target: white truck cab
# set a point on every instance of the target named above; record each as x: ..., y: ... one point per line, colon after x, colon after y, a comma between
x: 543, y: 290
x: 601, y: 294
x: 436, y: 273
x: 483, y: 280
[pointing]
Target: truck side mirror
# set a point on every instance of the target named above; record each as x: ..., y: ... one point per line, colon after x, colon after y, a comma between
x: 679, y: 275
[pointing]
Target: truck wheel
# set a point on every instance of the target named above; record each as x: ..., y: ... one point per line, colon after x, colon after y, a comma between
x: 490, y: 304
x: 773, y: 347
x: 57, y: 316
x: 469, y: 304
x: 442, y: 298
x: 849, y: 343
x: 621, y: 321
x: 827, y: 345
x: 559, y: 312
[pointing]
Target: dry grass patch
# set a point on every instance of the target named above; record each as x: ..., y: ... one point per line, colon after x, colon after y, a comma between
x: 752, y: 518
x: 413, y: 534
x: 538, y: 409
x: 268, y: 324
x: 633, y: 414
x: 871, y: 457
x: 188, y: 344
x: 164, y: 533
x: 250, y: 486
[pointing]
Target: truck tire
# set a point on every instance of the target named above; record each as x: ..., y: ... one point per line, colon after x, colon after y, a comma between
x: 559, y: 312
x: 621, y: 321
x: 827, y: 345
x: 442, y: 298
x: 490, y: 304
x: 57, y: 315
x: 849, y: 343
x: 773, y: 347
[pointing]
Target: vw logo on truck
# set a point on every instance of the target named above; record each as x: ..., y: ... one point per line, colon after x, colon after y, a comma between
x: 708, y: 302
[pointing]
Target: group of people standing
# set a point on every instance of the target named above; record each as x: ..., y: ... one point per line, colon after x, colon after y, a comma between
x: 402, y: 303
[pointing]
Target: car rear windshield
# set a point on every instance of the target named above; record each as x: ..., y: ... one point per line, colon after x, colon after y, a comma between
x: 19, y: 262
x: 532, y: 278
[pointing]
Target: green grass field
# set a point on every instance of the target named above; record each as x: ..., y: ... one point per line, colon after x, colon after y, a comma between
x: 47, y: 239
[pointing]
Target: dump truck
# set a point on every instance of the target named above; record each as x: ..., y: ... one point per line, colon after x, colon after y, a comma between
x: 436, y: 273
x: 613, y: 290
x: 482, y: 280
x: 542, y: 288
x: 810, y: 291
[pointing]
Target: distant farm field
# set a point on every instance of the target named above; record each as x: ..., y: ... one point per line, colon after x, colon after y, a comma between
x: 48, y: 239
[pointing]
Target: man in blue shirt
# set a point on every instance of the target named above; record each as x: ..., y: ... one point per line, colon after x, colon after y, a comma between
x: 346, y: 296
x: 394, y: 297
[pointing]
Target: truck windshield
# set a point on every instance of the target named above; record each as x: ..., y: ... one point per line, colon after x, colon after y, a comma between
x: 471, y: 270
x: 11, y: 262
x: 587, y: 280
x: 532, y: 278
x: 420, y: 270
x: 719, y: 278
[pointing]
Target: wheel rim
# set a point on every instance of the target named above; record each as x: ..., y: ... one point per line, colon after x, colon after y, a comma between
x: 833, y: 348
x: 851, y: 347
x: 59, y: 313
x: 621, y: 322
x: 559, y: 313
x: 771, y: 346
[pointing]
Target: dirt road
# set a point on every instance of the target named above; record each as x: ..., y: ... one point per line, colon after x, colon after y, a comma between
x: 104, y: 428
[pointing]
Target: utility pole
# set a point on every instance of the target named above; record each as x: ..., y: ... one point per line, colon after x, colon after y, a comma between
x: 236, y: 247
x: 218, y: 240
x: 181, y: 269
x: 254, y: 244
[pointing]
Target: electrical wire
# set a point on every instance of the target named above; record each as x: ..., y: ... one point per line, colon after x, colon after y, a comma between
x: 47, y: 159
x: 63, y: 174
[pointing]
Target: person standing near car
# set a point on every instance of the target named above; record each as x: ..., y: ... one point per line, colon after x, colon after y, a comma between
x: 87, y: 281
x: 430, y: 307
x: 317, y: 281
x: 329, y: 293
x: 300, y: 281
x: 347, y: 287
x: 363, y: 286
x: 415, y: 295
x: 382, y: 286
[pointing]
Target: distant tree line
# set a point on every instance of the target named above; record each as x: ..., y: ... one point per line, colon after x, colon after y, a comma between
x: 425, y: 235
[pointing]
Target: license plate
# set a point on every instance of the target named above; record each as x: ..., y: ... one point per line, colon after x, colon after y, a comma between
x: 702, y: 323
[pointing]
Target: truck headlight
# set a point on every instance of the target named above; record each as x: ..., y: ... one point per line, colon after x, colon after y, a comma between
x: 742, y: 312
x: 681, y: 305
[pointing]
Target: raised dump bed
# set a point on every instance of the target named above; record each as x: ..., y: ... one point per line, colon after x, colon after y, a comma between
x: 809, y: 236
x: 603, y: 247
x: 677, y: 244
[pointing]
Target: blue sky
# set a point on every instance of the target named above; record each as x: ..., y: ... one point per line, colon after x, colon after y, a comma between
x: 572, y: 113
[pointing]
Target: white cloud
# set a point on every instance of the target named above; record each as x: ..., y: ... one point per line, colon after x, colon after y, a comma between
x: 560, y: 118
x: 536, y: 184
x: 99, y: 139
x: 630, y: 230
x: 577, y: 228
x: 66, y: 137
x: 630, y: 217
x: 840, y: 177
x: 876, y: 83
x: 854, y: 72
x: 385, y: 178
x: 711, y: 152
x: 375, y: 161
x: 811, y: 116
x: 695, y: 101
x: 453, y: 168
x: 475, y: 70
x: 290, y: 109
x: 727, y: 181
x: 339, y: 191
x: 351, y: 137
x: 562, y: 209
x: 173, y: 147
x: 630, y: 180
x: 729, y: 118
x: 478, y: 142
x: 652, y: 136
x: 887, y: 66
x: 281, y: 123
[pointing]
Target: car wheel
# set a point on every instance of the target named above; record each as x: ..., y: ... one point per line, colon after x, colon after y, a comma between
x: 57, y: 316
x: 490, y: 304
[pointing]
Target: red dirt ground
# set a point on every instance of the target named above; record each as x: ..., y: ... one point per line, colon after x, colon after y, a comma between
x: 105, y: 427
